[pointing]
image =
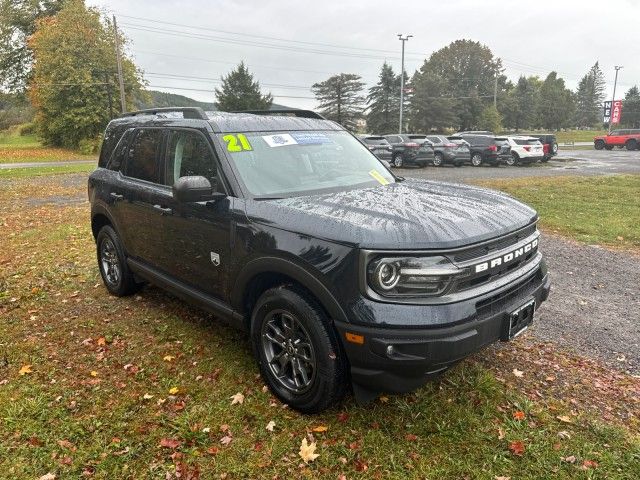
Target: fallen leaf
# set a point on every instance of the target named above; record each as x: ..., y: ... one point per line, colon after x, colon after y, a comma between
x: 213, y: 450
x: 174, y: 390
x: 361, y: 466
x: 168, y: 358
x: 384, y: 399
x: 66, y: 444
x: 320, y: 428
x: 517, y: 448
x: 501, y: 478
x: 48, y: 476
x: 238, y: 398
x: 518, y: 373
x: 518, y: 415
x: 589, y: 464
x: 169, y: 443
x: 307, y: 451
x: 500, y: 433
x: 93, y: 373
x: 270, y: 426
x: 343, y: 417
x: 564, y: 418
x: 24, y: 370
x: 569, y: 459
x: 410, y: 437
x: 226, y: 440
x: 147, y: 396
x: 102, y: 341
x: 564, y: 434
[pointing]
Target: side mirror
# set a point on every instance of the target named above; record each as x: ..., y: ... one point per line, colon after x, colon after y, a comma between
x: 194, y: 189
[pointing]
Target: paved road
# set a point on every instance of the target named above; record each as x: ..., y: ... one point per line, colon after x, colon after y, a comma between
x: 44, y: 164
x: 568, y: 162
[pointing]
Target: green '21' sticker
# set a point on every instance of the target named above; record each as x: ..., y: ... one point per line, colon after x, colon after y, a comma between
x: 237, y: 143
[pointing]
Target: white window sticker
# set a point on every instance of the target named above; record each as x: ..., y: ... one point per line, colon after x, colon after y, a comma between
x: 280, y: 140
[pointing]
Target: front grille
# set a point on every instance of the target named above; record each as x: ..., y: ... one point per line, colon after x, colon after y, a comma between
x: 497, y: 303
x: 498, y: 244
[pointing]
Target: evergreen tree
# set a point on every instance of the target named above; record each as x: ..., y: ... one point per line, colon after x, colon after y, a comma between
x: 240, y: 92
x: 589, y: 98
x: 519, y: 107
x: 383, y: 102
x: 73, y: 54
x: 490, y: 119
x: 430, y: 108
x: 556, y: 105
x: 340, y: 98
x: 631, y: 108
x: 18, y: 20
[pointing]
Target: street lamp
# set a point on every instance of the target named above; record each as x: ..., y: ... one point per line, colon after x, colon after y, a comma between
x: 402, y: 39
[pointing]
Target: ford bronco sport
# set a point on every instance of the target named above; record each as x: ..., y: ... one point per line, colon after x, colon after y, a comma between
x: 286, y: 226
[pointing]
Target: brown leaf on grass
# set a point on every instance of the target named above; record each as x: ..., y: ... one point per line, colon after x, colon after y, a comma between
x: 518, y: 373
x: 564, y: 418
x: 410, y: 437
x: 270, y: 426
x: 168, y: 358
x: 170, y: 443
x: 343, y: 417
x: 500, y: 433
x: 102, y: 341
x: 589, y: 464
x: 497, y: 477
x: 25, y: 369
x: 320, y: 428
x: 67, y: 444
x: 238, y: 398
x: 66, y: 460
x: 569, y: 459
x: 48, y: 476
x: 226, y: 440
x: 213, y: 450
x: 518, y: 415
x: 517, y: 448
x: 360, y: 465
x: 308, y: 451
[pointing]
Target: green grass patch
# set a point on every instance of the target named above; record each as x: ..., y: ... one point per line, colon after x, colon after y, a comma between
x: 578, y: 135
x: 16, y: 148
x: 13, y: 140
x: 39, y: 171
x: 598, y: 209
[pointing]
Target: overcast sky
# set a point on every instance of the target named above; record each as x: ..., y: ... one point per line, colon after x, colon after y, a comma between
x: 531, y: 38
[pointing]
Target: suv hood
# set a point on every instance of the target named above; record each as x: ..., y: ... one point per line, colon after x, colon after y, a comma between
x: 413, y: 214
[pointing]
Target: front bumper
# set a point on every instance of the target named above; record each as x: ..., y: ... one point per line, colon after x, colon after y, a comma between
x: 419, y: 354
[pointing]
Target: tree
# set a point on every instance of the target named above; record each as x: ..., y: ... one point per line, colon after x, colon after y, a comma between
x: 340, y: 98
x: 430, y: 108
x: 17, y: 23
x: 469, y: 72
x: 490, y: 119
x: 556, y: 105
x: 74, y: 63
x: 519, y: 106
x: 631, y: 108
x: 239, y: 91
x: 589, y: 98
x: 383, y: 102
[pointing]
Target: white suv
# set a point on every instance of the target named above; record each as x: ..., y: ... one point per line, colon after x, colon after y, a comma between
x: 525, y: 150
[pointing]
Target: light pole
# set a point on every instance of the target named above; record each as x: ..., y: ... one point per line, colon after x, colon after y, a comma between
x: 402, y: 39
x: 615, y: 83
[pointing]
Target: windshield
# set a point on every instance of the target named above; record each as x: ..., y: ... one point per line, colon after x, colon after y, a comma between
x: 302, y: 163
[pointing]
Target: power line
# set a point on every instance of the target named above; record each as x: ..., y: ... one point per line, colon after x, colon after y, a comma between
x: 210, y: 91
x: 217, y: 80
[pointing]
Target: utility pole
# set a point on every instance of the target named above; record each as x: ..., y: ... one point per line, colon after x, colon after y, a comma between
x: 615, y: 83
x: 402, y: 39
x: 495, y: 92
x: 119, y: 62
x: 107, y: 83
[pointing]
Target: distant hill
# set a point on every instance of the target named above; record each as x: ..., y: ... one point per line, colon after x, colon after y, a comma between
x: 163, y: 99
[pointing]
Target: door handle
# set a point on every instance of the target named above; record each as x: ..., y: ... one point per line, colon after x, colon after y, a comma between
x: 116, y: 196
x: 163, y: 210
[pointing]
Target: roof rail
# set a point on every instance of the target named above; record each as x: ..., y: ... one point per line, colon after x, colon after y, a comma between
x: 286, y: 112
x: 187, y: 112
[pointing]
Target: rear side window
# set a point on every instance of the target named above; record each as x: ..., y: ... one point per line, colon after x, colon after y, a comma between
x: 434, y: 139
x: 111, y: 137
x: 189, y: 154
x: 121, y: 151
x: 376, y: 141
x: 144, y: 155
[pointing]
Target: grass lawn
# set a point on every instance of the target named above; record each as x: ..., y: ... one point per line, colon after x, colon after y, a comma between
x: 15, y: 148
x: 38, y: 171
x: 140, y: 387
x: 598, y: 209
x: 578, y: 135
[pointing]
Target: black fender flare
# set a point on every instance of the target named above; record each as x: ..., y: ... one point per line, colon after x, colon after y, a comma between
x: 298, y: 273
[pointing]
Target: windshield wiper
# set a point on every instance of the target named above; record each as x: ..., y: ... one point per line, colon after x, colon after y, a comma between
x: 268, y: 198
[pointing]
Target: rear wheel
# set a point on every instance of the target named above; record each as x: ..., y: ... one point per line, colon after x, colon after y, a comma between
x: 397, y: 160
x: 513, y: 159
x: 609, y: 147
x: 112, y: 261
x: 476, y: 159
x: 438, y: 159
x: 631, y: 144
x: 598, y: 144
x: 297, y: 350
x: 545, y: 159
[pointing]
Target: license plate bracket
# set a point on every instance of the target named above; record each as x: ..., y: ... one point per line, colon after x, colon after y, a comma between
x: 519, y: 320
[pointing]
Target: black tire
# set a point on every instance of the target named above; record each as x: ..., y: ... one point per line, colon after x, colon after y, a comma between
x: 545, y: 159
x: 608, y: 147
x: 327, y: 374
x: 112, y: 263
x: 513, y: 159
x: 631, y: 144
x: 598, y: 144
x: 476, y: 159
x: 397, y: 161
x: 438, y: 159
x: 554, y: 148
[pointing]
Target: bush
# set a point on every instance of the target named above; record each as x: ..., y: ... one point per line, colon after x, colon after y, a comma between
x: 90, y: 146
x: 27, y: 129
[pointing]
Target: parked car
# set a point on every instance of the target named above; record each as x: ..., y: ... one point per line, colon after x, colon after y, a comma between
x: 487, y: 149
x: 629, y: 138
x: 378, y: 145
x: 525, y: 150
x: 410, y: 150
x: 549, y: 144
x: 447, y: 151
x: 289, y: 228
x: 473, y: 132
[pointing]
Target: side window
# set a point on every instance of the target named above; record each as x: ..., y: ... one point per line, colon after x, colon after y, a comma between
x: 144, y: 155
x: 120, y: 152
x: 189, y: 154
x: 434, y: 139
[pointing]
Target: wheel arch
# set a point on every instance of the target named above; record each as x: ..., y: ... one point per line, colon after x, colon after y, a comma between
x: 100, y: 218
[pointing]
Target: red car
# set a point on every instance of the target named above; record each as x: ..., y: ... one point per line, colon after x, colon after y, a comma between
x: 618, y: 138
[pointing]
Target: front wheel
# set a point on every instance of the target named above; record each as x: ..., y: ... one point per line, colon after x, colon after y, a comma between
x: 513, y: 159
x: 476, y: 159
x: 598, y: 144
x: 438, y: 159
x: 397, y: 160
x: 297, y: 350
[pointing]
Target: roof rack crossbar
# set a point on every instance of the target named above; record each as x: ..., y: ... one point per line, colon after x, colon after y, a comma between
x: 187, y: 112
x: 291, y: 112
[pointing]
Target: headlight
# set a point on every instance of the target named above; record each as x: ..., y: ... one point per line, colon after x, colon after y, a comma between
x: 412, y: 276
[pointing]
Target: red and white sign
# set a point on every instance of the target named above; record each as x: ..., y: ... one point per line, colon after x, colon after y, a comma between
x: 616, y: 111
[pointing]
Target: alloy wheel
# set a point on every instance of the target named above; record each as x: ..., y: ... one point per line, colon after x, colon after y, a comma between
x: 109, y: 262
x: 476, y: 160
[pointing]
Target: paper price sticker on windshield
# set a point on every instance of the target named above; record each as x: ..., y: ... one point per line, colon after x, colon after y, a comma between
x: 280, y: 140
x: 375, y: 174
x: 311, y: 138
